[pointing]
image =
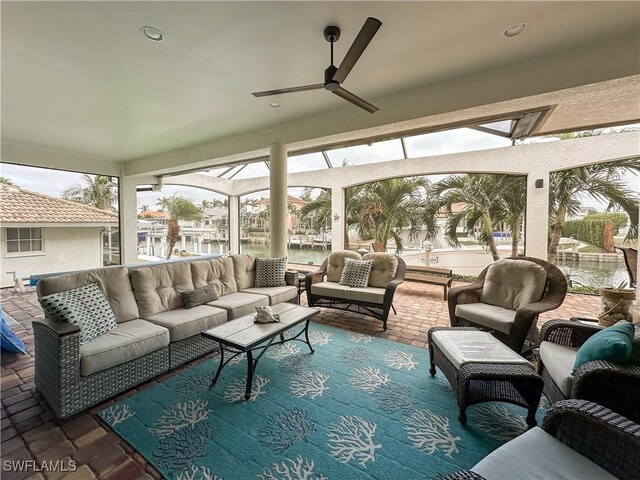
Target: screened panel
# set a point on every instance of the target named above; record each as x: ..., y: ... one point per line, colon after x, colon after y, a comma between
x: 252, y: 170
x: 364, y: 154
x: 452, y: 141
x: 306, y: 163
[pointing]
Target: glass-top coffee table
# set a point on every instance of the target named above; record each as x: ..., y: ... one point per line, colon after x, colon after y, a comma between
x: 243, y: 336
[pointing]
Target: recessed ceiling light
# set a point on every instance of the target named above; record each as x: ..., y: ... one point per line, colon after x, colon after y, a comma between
x: 274, y: 104
x: 515, y: 29
x: 152, y: 33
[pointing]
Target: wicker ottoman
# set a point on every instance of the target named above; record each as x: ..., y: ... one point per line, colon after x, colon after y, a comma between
x: 480, y: 368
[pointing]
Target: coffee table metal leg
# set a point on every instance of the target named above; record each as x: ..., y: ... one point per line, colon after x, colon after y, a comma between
x: 215, y: 378
x: 250, y: 368
x: 306, y: 334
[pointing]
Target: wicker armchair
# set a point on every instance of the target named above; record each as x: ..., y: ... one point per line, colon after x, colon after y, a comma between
x: 611, y: 384
x: 605, y: 438
x: 523, y: 326
x: 631, y: 262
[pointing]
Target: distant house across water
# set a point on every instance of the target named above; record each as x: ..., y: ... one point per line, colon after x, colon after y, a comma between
x: 42, y: 234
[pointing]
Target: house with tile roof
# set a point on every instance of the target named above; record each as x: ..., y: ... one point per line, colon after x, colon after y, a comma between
x: 41, y: 234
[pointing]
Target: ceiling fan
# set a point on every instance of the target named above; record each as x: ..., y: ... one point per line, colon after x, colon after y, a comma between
x: 334, y: 77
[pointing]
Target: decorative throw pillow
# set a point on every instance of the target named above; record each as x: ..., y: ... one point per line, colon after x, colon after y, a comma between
x: 270, y: 272
x: 199, y: 296
x: 356, y: 273
x: 86, y: 307
x: 614, y: 343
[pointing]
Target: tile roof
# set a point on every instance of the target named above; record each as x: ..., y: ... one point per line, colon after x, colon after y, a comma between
x: 18, y: 205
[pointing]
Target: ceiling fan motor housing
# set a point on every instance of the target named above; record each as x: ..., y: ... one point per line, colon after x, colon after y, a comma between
x: 329, y: 83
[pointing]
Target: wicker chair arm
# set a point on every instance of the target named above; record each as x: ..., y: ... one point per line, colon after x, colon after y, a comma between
x: 316, y: 277
x: 291, y: 278
x: 463, y: 294
x: 460, y: 475
x: 60, y: 328
x: 567, y: 332
x: 604, y: 437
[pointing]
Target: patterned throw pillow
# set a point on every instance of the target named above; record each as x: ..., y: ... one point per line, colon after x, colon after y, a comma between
x: 199, y: 296
x: 270, y: 272
x: 86, y: 307
x: 356, y: 273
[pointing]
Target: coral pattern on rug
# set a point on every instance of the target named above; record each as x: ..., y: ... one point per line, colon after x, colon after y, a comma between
x: 360, y: 407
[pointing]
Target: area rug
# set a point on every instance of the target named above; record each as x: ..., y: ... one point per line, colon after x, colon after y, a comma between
x: 360, y: 407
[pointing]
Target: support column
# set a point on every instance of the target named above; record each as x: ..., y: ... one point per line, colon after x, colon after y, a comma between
x: 338, y: 227
x: 234, y: 224
x: 537, y: 215
x: 128, y: 210
x: 278, y: 200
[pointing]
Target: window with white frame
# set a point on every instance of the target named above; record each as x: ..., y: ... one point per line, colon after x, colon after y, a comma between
x: 24, y: 240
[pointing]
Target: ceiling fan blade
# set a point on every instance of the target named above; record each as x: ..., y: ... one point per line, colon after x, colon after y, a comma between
x: 304, y: 88
x: 356, y: 100
x: 368, y: 30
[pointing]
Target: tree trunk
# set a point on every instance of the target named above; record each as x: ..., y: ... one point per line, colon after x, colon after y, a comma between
x: 488, y: 230
x: 173, y: 232
x: 556, y: 233
x: 515, y: 237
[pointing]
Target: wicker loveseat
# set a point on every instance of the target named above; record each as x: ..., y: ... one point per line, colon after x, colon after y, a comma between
x: 155, y: 331
x: 612, y: 384
x: 578, y: 440
x: 507, y: 298
x: 376, y: 300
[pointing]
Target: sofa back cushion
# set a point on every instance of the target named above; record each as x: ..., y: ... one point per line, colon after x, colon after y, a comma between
x: 385, y: 266
x: 244, y: 269
x: 157, y: 289
x: 513, y: 283
x: 335, y: 263
x: 218, y: 273
x: 113, y: 281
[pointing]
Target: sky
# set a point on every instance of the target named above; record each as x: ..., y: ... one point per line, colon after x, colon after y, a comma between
x: 55, y: 182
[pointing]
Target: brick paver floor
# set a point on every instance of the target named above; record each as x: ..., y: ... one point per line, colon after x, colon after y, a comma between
x: 30, y: 431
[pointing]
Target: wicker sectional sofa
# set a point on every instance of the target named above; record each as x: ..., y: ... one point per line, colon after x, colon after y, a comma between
x: 155, y: 332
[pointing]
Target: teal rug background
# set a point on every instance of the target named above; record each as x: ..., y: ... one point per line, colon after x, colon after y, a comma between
x: 360, y: 407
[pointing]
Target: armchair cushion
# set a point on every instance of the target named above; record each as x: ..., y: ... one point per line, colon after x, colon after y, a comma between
x: 546, y: 457
x: 383, y: 270
x: 489, y: 316
x: 329, y: 289
x: 335, y: 263
x: 558, y: 361
x: 513, y: 283
x: 614, y: 343
x: 356, y: 273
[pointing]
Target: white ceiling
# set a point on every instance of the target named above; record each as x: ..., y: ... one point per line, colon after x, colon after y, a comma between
x: 79, y: 77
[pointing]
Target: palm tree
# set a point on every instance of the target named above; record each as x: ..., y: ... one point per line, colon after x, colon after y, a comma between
x: 265, y: 216
x: 384, y: 208
x: 603, y: 182
x: 5, y: 181
x: 317, y: 209
x: 179, y: 208
x: 478, y: 194
x: 163, y: 203
x: 510, y: 206
x: 144, y: 208
x: 99, y: 191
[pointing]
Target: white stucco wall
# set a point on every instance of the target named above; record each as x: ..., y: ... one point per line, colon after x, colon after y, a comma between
x: 65, y: 249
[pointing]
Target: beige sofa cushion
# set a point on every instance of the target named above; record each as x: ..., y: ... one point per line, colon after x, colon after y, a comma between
x: 240, y: 303
x: 329, y: 289
x: 513, y: 283
x: 157, y: 288
x: 367, y: 294
x: 383, y: 270
x: 558, y: 361
x: 217, y: 272
x: 244, y: 269
x: 113, y: 281
x: 489, y: 316
x: 276, y: 294
x: 184, y: 323
x: 130, y: 340
x: 335, y: 263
